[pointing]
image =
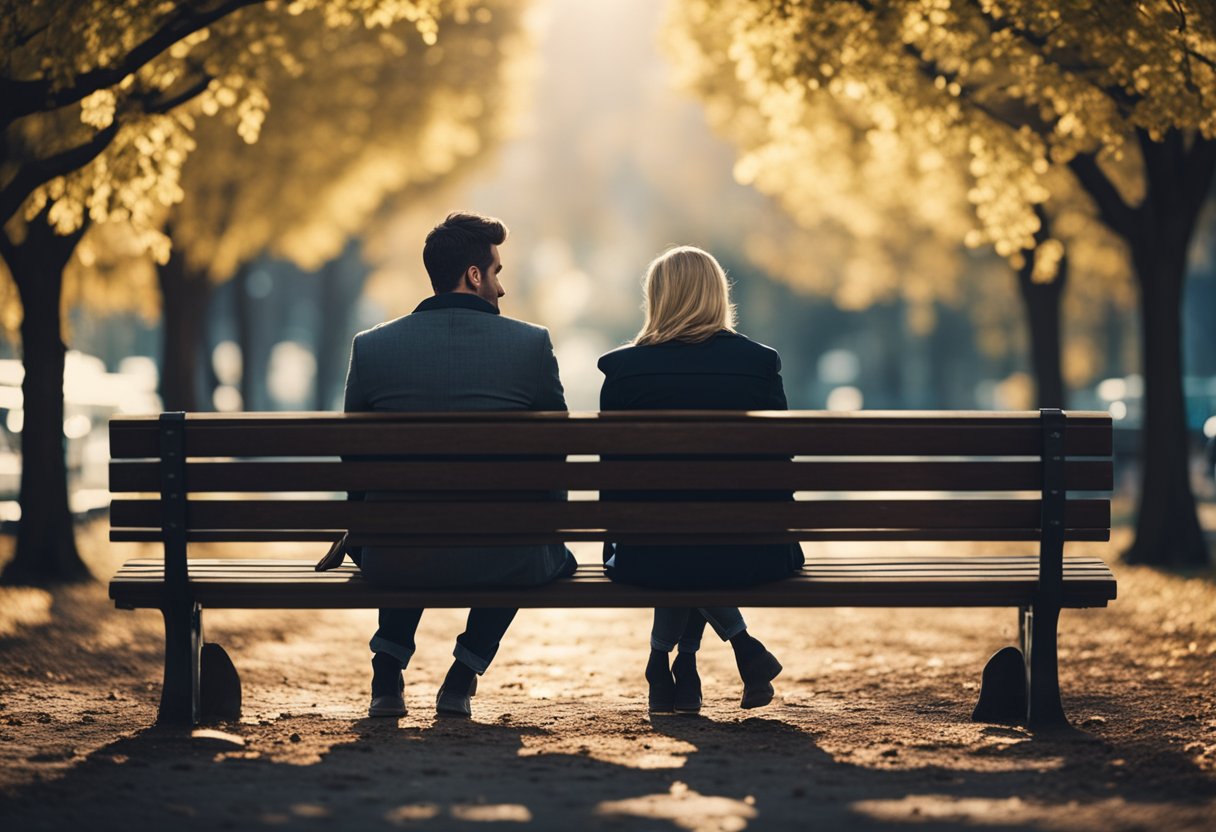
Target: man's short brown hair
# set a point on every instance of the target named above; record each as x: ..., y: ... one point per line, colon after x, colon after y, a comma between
x: 462, y: 240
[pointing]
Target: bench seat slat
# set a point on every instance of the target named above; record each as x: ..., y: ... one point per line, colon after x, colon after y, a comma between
x: 610, y: 518
x: 219, y: 583
x: 856, y: 574
x: 149, y: 535
x: 835, y: 562
x: 827, y: 564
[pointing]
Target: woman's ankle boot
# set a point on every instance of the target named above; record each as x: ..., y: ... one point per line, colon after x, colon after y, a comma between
x: 757, y: 669
x: 688, y: 684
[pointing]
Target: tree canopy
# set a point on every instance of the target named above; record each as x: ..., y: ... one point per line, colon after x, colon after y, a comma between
x: 1015, y: 87
x: 93, y: 93
x: 366, y: 115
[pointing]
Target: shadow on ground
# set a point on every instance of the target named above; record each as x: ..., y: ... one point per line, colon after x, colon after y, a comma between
x: 870, y: 729
x: 757, y: 772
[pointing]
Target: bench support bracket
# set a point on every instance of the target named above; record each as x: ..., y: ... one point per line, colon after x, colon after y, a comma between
x: 183, y: 617
x: 1037, y: 625
x: 1022, y: 683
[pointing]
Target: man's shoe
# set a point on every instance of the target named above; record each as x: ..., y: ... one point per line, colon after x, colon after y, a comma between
x: 449, y: 703
x: 688, y: 684
x: 387, y: 687
x: 457, y: 689
x: 391, y: 704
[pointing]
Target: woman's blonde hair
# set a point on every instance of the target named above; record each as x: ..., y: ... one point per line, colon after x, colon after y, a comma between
x: 687, y: 298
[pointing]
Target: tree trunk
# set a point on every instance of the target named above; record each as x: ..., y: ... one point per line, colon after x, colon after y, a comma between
x: 46, y: 545
x: 1042, y: 304
x: 185, y: 294
x: 1167, y: 524
x: 342, y: 282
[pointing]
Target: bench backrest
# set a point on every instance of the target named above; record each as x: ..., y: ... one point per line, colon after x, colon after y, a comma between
x: 860, y: 476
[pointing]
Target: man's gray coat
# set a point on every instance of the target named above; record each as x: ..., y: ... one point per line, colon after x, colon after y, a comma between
x: 454, y: 353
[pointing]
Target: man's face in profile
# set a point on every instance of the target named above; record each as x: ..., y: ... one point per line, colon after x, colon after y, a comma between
x: 490, y: 289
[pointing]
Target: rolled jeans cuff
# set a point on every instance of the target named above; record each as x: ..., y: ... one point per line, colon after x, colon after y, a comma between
x: 470, y: 659
x: 659, y: 644
x: 686, y: 645
x: 400, y: 652
x: 726, y: 621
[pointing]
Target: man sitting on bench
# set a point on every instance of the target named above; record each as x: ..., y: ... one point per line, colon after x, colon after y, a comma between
x: 454, y: 352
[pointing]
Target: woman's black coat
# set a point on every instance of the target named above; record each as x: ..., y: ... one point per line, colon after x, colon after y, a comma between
x: 726, y: 372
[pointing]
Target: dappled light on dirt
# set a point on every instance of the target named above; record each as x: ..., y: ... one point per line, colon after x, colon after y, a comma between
x: 686, y: 809
x: 511, y: 812
x: 973, y: 812
x: 23, y: 607
x: 629, y: 749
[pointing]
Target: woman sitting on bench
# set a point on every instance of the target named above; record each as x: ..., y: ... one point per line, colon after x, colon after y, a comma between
x: 688, y: 356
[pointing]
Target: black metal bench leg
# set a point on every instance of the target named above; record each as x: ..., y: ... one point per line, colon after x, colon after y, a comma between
x: 1039, y: 622
x: 1043, y: 707
x: 179, y: 699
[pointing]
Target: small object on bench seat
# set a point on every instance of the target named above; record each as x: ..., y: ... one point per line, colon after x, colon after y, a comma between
x: 971, y: 476
x: 334, y: 557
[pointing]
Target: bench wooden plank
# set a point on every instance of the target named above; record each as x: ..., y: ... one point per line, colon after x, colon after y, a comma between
x: 148, y: 535
x: 858, y: 575
x: 244, y: 476
x: 290, y: 584
x: 329, y: 417
x: 836, y: 561
x: 610, y: 518
x: 680, y: 432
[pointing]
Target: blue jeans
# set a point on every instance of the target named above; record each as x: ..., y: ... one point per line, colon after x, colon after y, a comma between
x: 683, y: 626
x: 475, y: 647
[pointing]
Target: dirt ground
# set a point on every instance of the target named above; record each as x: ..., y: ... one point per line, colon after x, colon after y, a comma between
x: 870, y: 728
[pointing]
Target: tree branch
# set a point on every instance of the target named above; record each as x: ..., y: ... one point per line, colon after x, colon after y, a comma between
x: 159, y: 102
x: 22, y: 98
x: 1179, y: 10
x: 1199, y: 56
x: 1116, y: 93
x: 1200, y: 166
x: 1005, y: 25
x: 33, y: 174
x: 26, y: 37
x: 930, y: 71
x: 1112, y: 208
x: 7, y: 250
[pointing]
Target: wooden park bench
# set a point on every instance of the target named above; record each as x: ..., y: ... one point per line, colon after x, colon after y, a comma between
x: 963, y: 476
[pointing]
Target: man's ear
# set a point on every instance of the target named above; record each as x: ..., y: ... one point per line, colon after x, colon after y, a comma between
x: 472, y: 275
